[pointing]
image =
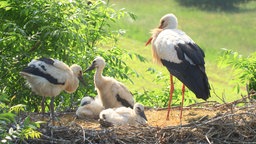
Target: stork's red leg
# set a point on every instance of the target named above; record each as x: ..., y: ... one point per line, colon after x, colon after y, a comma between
x: 52, y: 110
x: 170, y: 100
x: 182, y: 100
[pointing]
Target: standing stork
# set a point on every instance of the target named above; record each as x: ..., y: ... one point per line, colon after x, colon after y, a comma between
x: 183, y: 58
x: 111, y: 92
x: 48, y: 77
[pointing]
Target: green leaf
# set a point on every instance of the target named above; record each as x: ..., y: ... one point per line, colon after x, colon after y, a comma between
x: 17, y: 108
x: 8, y: 117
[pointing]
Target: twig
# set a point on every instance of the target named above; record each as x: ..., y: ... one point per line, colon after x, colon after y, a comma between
x: 83, y: 132
x: 207, y: 139
x: 222, y: 99
x: 36, y: 45
x: 229, y: 115
x: 56, y: 140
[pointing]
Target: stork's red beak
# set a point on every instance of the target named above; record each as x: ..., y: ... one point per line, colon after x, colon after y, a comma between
x: 149, y: 41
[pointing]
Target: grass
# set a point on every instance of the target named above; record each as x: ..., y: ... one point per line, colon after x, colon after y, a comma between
x: 211, y: 30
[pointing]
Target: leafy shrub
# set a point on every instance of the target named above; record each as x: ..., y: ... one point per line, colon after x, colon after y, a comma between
x: 12, y: 128
x: 244, y: 68
x: 160, y: 98
x: 72, y: 31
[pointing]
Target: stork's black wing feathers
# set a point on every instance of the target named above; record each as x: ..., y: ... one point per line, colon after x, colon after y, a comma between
x: 123, y: 101
x: 191, y: 70
x: 191, y: 75
x: 192, y: 50
x: 47, y: 60
x: 32, y: 69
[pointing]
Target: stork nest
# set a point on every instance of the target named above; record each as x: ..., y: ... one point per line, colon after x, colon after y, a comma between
x: 235, y: 124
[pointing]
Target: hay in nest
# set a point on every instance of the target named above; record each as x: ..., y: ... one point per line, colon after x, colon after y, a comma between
x: 236, y: 124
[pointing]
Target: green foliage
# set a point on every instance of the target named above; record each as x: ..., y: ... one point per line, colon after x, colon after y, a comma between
x: 211, y: 30
x: 17, y: 108
x: 160, y: 98
x: 14, y: 129
x: 244, y: 68
x: 72, y: 31
x: 212, y: 4
x: 28, y: 129
x: 19, y: 132
x: 155, y: 98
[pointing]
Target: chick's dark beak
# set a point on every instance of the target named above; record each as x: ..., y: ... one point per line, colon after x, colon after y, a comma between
x: 142, y: 114
x: 90, y: 67
x: 81, y: 79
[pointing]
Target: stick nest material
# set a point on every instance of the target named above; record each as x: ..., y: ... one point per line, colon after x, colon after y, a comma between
x: 236, y: 124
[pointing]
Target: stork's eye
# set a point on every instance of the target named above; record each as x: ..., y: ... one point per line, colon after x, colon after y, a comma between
x: 85, y: 103
x: 162, y: 22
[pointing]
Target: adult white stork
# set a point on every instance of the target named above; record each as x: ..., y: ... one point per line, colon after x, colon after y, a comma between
x: 48, y: 77
x: 182, y: 57
x: 111, y: 92
x: 123, y: 116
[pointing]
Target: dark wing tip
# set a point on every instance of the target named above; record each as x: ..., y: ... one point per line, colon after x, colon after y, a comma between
x: 123, y: 101
x: 191, y: 76
x: 29, y: 69
x: 47, y: 60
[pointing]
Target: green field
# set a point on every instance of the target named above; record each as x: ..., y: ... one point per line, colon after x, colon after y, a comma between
x: 210, y: 30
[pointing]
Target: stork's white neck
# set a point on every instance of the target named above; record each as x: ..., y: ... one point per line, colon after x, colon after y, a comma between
x: 98, y: 75
x: 72, y: 83
x: 172, y: 25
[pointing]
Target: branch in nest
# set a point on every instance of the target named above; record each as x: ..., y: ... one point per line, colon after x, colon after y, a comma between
x: 35, y: 46
x: 222, y: 99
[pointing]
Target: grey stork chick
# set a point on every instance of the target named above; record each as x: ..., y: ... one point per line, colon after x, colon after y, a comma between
x: 183, y: 58
x: 123, y: 116
x: 111, y: 92
x: 90, y: 108
x: 48, y: 77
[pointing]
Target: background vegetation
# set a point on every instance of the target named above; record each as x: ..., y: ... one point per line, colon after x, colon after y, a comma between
x: 76, y: 31
x: 243, y: 67
x: 211, y: 29
x: 214, y: 5
x: 71, y: 31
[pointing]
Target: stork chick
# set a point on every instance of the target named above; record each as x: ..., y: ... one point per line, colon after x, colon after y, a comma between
x: 111, y: 92
x: 89, y: 108
x: 124, y: 116
x: 48, y: 77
